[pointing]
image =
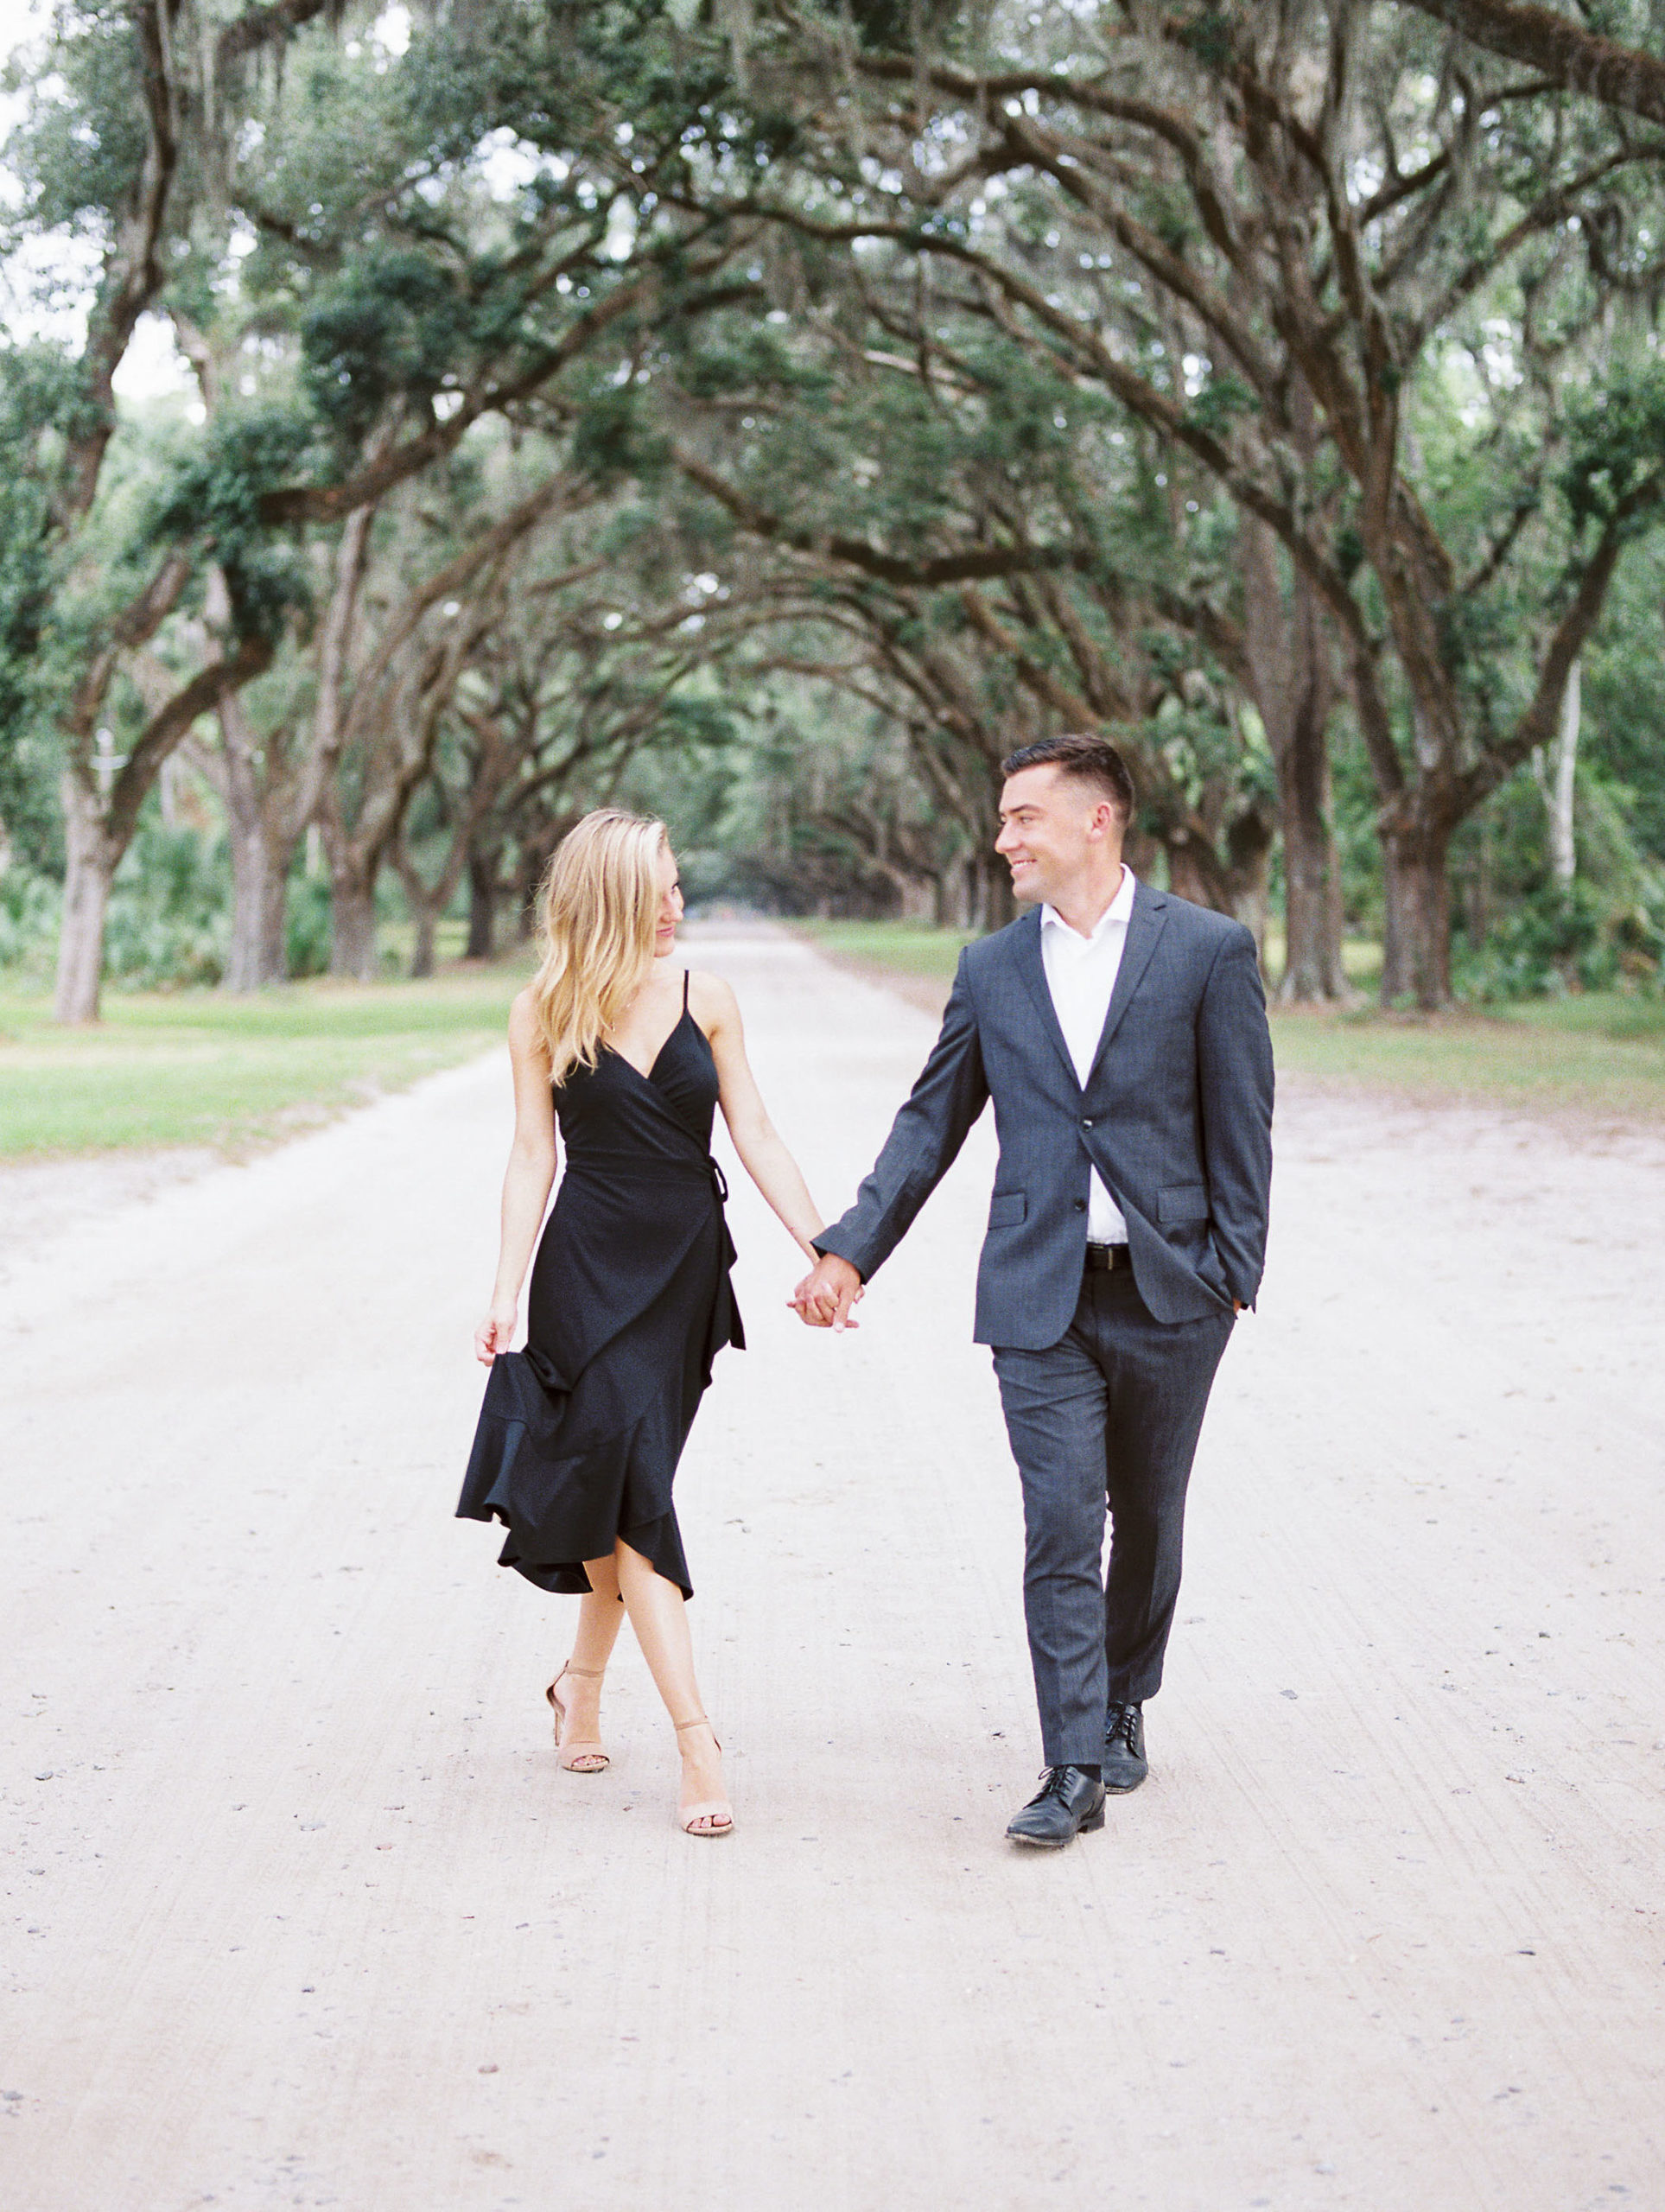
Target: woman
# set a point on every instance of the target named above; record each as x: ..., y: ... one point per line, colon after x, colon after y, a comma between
x: 580, y: 1434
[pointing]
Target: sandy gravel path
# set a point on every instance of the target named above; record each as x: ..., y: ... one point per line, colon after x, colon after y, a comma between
x: 298, y: 1910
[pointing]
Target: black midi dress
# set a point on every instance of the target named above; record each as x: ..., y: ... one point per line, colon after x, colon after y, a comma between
x: 630, y: 1303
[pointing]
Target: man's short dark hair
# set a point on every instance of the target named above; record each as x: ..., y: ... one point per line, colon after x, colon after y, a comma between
x: 1094, y: 759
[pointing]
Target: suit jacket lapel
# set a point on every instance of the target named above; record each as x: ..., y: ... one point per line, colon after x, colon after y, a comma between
x: 1144, y: 927
x: 1032, y: 969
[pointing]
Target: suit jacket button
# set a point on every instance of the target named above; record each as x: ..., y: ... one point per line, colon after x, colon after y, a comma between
x: 1081, y: 1205
x: 1086, y: 1121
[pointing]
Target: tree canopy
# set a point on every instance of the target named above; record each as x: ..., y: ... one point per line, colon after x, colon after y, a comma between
x: 779, y: 413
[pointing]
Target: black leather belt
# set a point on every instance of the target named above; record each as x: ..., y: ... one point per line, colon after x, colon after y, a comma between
x: 1105, y: 1259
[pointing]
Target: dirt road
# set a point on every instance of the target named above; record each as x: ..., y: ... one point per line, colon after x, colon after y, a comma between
x: 299, y: 1910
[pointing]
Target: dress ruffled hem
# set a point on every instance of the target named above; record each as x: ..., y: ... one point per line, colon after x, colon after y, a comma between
x: 561, y: 1507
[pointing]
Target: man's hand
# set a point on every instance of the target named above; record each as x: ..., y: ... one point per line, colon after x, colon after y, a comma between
x: 823, y: 1298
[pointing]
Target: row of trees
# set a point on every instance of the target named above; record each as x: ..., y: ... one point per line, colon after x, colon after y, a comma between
x: 800, y: 406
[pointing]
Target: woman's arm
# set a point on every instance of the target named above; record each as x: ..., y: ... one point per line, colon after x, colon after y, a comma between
x: 763, y: 1155
x: 527, y: 1179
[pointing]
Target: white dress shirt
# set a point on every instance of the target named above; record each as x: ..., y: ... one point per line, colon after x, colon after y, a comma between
x: 1081, y: 973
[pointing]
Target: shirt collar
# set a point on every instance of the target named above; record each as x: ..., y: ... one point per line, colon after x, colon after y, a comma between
x: 1120, y: 910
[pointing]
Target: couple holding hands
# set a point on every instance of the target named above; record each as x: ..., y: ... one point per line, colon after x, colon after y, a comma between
x: 1120, y: 1033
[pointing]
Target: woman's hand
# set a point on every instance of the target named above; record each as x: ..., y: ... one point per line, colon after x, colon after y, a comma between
x: 496, y: 1332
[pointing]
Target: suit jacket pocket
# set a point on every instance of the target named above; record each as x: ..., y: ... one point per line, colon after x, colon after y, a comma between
x: 1007, y: 1208
x: 1182, y: 1202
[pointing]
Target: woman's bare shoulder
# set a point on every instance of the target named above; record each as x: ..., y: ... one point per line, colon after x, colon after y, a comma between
x: 711, y: 999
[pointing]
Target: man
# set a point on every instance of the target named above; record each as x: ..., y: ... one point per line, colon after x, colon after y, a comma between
x: 1121, y: 1034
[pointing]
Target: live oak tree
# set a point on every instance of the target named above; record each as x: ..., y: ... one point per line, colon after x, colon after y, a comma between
x: 997, y: 566
x: 111, y: 147
x: 399, y: 302
x: 1228, y: 377
x: 1273, y: 234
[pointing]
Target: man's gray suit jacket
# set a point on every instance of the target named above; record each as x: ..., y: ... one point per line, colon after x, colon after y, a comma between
x: 1176, y: 1114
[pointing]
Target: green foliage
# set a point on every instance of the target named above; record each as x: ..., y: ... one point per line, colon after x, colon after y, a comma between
x: 212, y: 495
x: 895, y: 24
x: 395, y: 325
x: 78, y: 143
x: 305, y: 925
x: 1219, y: 404
x: 1208, y: 33
x: 29, y: 920
x: 42, y: 400
x: 1615, y: 459
x: 1554, y: 941
x: 27, y: 808
x: 447, y: 220
x: 616, y: 438
x: 1625, y: 703
x: 168, y: 910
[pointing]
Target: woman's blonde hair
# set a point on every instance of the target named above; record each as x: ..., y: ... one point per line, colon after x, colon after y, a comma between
x: 601, y: 905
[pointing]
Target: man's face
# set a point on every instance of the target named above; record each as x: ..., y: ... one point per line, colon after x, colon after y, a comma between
x: 1053, y: 828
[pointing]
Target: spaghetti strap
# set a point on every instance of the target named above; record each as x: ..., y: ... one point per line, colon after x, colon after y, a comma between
x: 688, y: 974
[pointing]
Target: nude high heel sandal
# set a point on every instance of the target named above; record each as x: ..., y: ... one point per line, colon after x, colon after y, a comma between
x: 713, y: 1815
x: 579, y: 1758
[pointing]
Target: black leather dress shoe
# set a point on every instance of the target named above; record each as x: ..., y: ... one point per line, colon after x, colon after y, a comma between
x: 1125, y: 1764
x: 1069, y: 1803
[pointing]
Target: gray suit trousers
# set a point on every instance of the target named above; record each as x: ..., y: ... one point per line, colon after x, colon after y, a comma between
x: 1108, y: 1416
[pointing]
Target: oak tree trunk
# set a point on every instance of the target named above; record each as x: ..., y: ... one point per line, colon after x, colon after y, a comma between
x: 1293, y: 678
x: 258, y: 953
x: 1312, y: 968
x: 1563, y: 787
x: 352, y: 926
x: 1191, y: 874
x: 482, y: 905
x: 90, y: 858
x: 1416, y: 938
x: 422, y: 957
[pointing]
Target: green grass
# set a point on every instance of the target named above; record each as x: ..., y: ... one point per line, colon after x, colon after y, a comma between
x: 1603, y: 1053
x: 204, y: 1068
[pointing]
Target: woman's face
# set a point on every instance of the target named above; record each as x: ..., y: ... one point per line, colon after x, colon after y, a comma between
x: 671, y: 904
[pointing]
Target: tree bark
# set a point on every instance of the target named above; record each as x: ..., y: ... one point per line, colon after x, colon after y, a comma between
x: 1619, y: 76
x: 1312, y: 970
x: 91, y: 856
x: 422, y: 957
x: 1248, y: 847
x: 1563, y: 785
x: 997, y: 904
x: 351, y: 925
x: 258, y: 953
x: 1416, y: 940
x: 251, y: 889
x: 425, y: 903
x: 1190, y: 873
x: 1234, y: 883
x: 263, y: 833
x: 482, y: 903
x: 1293, y: 681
